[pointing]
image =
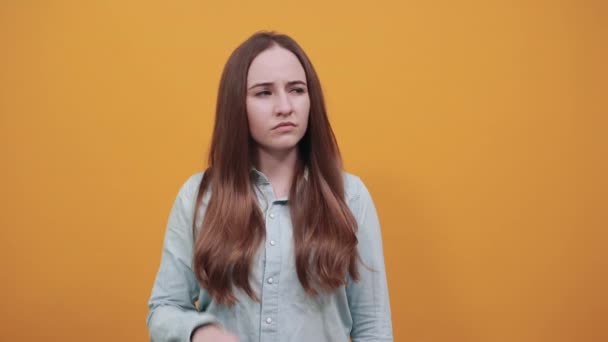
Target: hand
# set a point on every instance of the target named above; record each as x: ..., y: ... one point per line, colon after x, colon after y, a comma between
x: 212, y: 333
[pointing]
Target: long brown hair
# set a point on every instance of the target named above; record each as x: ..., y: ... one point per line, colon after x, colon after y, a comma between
x: 232, y: 231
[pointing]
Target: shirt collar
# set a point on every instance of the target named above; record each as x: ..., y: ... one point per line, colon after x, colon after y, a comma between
x: 259, y: 177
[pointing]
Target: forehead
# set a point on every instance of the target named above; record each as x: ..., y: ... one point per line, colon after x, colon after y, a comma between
x: 275, y: 64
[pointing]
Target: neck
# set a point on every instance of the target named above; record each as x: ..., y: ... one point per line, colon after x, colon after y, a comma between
x: 279, y: 167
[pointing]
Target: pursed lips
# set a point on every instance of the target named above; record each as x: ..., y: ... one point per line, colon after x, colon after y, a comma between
x: 282, y: 124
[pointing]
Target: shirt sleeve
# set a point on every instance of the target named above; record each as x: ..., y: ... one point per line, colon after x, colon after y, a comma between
x: 172, y: 315
x: 368, y: 298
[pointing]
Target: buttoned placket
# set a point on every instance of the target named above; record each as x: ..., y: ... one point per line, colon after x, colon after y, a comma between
x: 272, y: 264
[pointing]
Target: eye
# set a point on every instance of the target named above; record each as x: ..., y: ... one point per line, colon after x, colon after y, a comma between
x: 263, y: 93
x: 298, y: 90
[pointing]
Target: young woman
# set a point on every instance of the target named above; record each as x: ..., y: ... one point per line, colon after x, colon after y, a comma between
x: 274, y: 241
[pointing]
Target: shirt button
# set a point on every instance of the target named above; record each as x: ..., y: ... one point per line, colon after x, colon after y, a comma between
x: 271, y: 216
x: 272, y: 243
x: 268, y: 320
x: 270, y: 280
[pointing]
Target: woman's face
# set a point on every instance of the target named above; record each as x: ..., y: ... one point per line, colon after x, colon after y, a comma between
x: 277, y: 100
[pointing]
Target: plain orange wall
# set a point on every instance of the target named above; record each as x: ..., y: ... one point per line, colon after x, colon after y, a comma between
x: 479, y: 126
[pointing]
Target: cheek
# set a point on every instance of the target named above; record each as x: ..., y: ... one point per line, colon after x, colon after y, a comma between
x: 256, y: 118
x: 305, y: 112
x: 255, y: 126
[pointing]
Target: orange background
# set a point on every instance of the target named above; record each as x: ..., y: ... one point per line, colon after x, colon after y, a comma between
x: 479, y: 126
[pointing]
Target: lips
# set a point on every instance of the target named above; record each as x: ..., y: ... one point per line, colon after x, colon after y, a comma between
x: 284, y: 124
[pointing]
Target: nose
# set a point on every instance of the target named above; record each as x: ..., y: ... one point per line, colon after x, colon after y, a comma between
x: 283, y: 105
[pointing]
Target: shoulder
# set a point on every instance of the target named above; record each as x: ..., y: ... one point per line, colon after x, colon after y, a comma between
x: 186, y: 197
x: 354, y: 187
x: 189, y: 189
x: 358, y: 197
x: 191, y: 184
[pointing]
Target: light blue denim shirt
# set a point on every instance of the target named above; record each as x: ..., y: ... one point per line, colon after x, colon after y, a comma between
x: 359, y: 310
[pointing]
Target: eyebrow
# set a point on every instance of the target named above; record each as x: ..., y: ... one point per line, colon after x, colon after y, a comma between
x: 268, y: 84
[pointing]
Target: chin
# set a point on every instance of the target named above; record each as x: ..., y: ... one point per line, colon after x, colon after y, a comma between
x: 282, y: 146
